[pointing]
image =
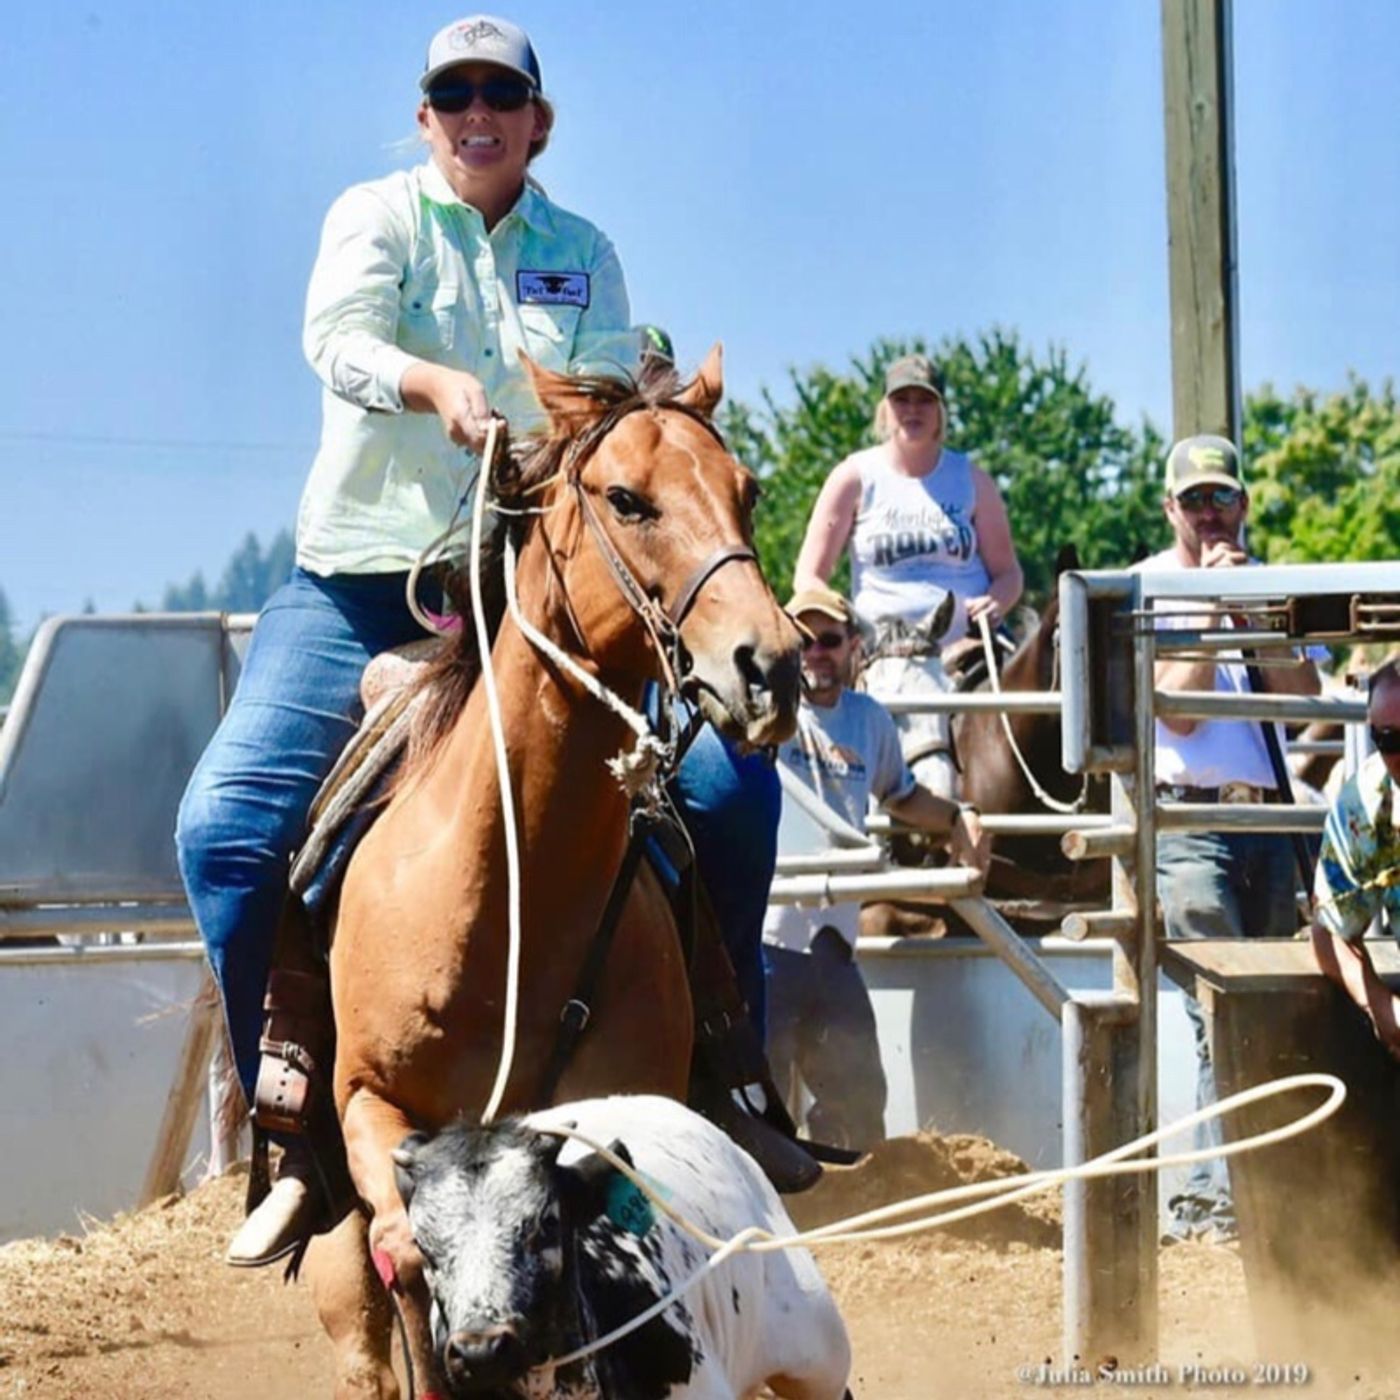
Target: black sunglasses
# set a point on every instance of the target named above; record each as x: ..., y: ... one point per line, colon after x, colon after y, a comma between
x: 499, y: 94
x: 1386, y: 740
x: 828, y: 641
x: 1221, y: 497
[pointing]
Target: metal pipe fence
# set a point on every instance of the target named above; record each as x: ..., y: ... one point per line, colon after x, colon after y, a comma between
x: 1112, y: 633
x: 59, y: 954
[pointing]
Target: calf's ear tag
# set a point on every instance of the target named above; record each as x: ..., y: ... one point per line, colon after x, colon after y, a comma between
x: 627, y: 1207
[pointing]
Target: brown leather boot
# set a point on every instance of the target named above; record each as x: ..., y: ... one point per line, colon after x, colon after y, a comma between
x: 291, y: 1097
x: 297, y: 1043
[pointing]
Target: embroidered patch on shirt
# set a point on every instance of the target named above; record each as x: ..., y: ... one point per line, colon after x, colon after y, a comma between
x: 552, y: 288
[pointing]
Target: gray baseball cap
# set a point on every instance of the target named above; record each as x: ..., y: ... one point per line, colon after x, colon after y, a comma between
x: 482, y: 39
x: 1203, y: 460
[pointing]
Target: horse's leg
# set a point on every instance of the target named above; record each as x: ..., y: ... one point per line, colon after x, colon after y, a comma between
x: 354, y: 1309
x: 373, y: 1128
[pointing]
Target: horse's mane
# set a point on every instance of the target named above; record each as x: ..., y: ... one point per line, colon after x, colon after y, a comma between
x: 521, y: 474
x: 1038, y: 647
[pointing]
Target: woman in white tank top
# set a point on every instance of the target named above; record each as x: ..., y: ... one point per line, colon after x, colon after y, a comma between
x: 920, y: 519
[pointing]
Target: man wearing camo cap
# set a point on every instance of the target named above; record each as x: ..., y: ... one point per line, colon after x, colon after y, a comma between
x: 1217, y: 884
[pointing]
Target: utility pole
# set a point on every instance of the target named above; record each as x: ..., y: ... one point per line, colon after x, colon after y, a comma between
x: 1198, y: 93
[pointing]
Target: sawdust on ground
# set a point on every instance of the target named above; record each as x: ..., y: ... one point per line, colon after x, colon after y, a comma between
x: 144, y: 1307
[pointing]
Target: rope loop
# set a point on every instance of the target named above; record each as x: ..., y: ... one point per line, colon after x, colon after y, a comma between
x: 1002, y: 1191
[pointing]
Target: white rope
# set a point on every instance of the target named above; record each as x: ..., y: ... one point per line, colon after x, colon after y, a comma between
x: 1003, y: 1190
x: 633, y: 770
x: 994, y: 680
x: 493, y: 707
x: 740, y: 1242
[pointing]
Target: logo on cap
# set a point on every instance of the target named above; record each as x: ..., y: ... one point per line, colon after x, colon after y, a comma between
x: 480, y: 31
x: 1206, y: 457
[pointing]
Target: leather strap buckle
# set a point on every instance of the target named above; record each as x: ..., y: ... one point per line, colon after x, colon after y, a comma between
x: 576, y: 1012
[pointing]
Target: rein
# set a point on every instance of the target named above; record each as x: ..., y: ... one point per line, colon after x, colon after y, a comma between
x: 663, y: 623
x: 994, y: 680
x: 640, y: 772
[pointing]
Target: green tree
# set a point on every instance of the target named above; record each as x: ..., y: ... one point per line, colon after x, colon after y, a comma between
x: 189, y: 597
x: 249, y: 579
x: 252, y: 576
x: 11, y: 652
x: 241, y: 587
x: 1070, y: 473
x: 1324, y: 473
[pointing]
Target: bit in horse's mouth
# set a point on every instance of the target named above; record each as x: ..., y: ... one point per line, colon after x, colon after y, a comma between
x: 718, y: 710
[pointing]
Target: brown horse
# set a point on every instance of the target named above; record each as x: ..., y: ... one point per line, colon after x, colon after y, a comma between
x: 1030, y: 868
x: 1026, y: 867
x: 636, y: 495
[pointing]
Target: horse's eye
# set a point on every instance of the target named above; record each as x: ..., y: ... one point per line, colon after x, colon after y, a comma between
x: 627, y: 505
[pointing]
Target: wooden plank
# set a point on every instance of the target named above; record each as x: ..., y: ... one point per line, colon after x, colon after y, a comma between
x: 186, y: 1096
x: 1110, y: 1270
x: 1201, y: 217
x: 1259, y: 964
x: 1319, y: 1215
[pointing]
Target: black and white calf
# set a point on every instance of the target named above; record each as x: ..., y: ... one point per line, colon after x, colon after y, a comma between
x: 534, y: 1247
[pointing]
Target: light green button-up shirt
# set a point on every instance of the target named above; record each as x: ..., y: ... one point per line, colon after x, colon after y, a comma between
x: 408, y: 272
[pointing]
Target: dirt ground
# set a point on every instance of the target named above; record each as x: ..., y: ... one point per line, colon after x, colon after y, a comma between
x: 143, y: 1307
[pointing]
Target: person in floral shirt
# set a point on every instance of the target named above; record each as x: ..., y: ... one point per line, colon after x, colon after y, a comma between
x: 1358, y: 872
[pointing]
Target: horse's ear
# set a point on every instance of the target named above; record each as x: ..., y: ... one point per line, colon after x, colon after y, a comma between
x: 704, y: 392
x: 569, y: 407
x: 1066, y: 559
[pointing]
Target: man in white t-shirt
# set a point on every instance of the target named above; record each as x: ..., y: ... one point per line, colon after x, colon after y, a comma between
x: 821, y: 1026
x: 1217, y: 884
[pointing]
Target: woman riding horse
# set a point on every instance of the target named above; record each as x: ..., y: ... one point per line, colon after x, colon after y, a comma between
x: 931, y: 553
x: 921, y: 520
x: 638, y: 521
x: 429, y: 286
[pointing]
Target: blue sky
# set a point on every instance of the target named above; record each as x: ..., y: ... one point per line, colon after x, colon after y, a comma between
x: 792, y: 178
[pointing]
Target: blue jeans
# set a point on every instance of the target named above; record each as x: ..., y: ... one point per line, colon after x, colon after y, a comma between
x: 244, y: 812
x: 730, y: 803
x: 1220, y: 885
x: 822, y: 1027
x: 296, y: 707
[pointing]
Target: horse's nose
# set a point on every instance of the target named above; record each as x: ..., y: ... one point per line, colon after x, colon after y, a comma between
x: 490, y: 1357
x: 771, y: 677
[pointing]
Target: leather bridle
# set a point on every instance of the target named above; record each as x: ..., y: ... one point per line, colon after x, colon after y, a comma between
x: 662, y: 621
